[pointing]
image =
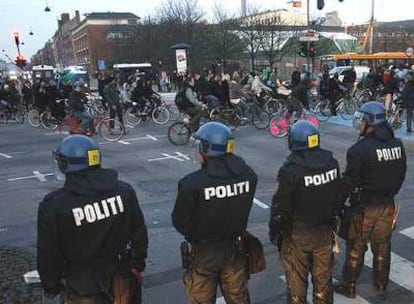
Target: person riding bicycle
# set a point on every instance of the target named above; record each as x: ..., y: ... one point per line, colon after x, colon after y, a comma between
x: 112, y: 96
x: 299, y: 98
x: 76, y: 106
x: 190, y: 105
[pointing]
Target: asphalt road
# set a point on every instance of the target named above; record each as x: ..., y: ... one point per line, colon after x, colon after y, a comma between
x: 147, y: 161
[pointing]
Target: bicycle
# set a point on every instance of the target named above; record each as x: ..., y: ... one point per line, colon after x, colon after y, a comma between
x: 179, y: 133
x: 9, y: 112
x: 280, y: 125
x: 108, y: 128
x: 153, y: 108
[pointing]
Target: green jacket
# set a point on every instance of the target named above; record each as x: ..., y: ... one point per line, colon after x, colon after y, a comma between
x: 111, y: 94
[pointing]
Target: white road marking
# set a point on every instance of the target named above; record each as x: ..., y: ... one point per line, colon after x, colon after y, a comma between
x: 173, y: 157
x: 124, y: 142
x: 179, y: 157
x: 402, y: 270
x: 260, y: 204
x: 155, y: 222
x: 57, y: 133
x: 408, y: 232
x: 220, y: 300
x: 37, y: 174
x: 338, y: 299
x: 183, y: 155
x: 152, y: 137
x: 6, y: 155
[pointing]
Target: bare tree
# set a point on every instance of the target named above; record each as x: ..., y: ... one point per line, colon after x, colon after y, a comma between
x: 252, y: 34
x: 276, y: 42
x: 224, y: 42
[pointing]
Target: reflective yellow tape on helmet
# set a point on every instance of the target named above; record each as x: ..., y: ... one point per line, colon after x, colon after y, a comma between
x: 230, y: 146
x: 93, y: 158
x: 313, y: 141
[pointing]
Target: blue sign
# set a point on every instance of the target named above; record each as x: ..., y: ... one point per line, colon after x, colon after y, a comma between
x: 101, y: 65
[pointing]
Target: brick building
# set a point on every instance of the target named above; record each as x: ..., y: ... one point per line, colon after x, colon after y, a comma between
x: 93, y: 39
x: 62, y: 40
x: 394, y: 36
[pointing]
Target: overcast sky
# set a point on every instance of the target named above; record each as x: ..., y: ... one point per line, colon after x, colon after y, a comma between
x: 26, y: 15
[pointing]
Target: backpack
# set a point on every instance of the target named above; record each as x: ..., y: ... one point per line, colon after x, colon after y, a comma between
x: 181, y: 100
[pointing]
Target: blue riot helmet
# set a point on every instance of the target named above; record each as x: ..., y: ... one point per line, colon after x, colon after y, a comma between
x: 303, y: 136
x: 372, y: 112
x: 214, y: 139
x: 77, y: 153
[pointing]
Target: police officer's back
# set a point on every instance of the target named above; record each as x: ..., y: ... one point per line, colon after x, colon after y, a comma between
x: 376, y: 167
x: 211, y: 212
x: 91, y: 231
x: 303, y: 213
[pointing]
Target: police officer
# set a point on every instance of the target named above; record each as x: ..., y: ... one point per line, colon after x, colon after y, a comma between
x: 376, y: 167
x: 211, y: 212
x: 92, y: 240
x: 303, y: 214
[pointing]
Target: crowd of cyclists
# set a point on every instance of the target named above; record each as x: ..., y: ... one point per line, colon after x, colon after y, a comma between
x: 209, y: 91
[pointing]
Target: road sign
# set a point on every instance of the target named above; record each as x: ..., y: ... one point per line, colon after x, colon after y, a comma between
x: 409, y: 52
x: 101, y: 65
x: 309, y: 39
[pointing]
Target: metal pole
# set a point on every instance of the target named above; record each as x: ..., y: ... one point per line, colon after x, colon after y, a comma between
x: 371, y: 36
x: 308, y: 44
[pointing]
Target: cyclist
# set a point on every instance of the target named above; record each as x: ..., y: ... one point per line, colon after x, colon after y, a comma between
x: 76, y: 106
x: 300, y: 96
x: 408, y: 100
x: 190, y: 105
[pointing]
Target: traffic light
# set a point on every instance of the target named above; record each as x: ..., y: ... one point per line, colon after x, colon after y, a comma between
x: 16, y: 38
x: 20, y: 61
x: 303, y: 50
x: 321, y: 4
x: 312, y: 50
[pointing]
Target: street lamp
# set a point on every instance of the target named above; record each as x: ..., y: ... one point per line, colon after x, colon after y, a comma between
x: 47, y: 8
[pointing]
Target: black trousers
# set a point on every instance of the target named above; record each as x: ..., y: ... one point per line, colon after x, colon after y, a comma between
x: 410, y: 110
x: 376, y: 228
x: 116, y: 110
x: 215, y: 264
x: 308, y: 251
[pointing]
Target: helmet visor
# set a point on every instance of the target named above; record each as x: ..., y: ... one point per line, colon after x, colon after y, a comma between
x: 59, y: 175
x: 195, y: 152
x: 357, y: 119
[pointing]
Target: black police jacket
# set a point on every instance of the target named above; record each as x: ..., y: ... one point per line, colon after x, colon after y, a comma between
x: 214, y: 202
x: 377, y: 164
x: 84, y: 228
x: 308, y: 192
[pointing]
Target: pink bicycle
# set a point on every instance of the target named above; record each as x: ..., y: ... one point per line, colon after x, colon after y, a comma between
x: 279, y: 125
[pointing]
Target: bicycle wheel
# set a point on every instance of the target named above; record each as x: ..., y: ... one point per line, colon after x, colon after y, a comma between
x: 110, y: 129
x: 161, y: 115
x: 348, y: 109
x: 279, y: 126
x: 19, y: 116
x: 313, y: 119
x: 179, y: 133
x: 133, y: 117
x: 33, y: 116
x: 273, y: 107
x: 47, y: 121
x: 322, y: 111
x: 4, y: 117
x: 260, y: 119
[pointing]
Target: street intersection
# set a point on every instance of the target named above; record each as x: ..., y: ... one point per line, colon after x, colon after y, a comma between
x: 145, y: 159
